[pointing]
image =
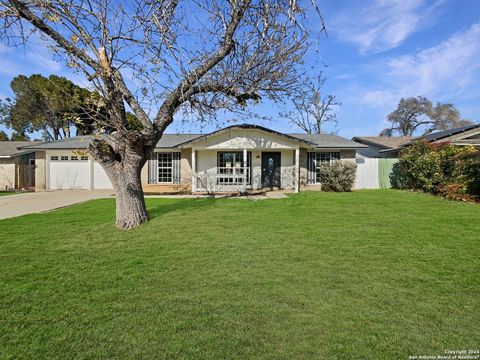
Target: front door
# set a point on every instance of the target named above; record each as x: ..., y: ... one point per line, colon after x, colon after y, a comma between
x: 271, y: 170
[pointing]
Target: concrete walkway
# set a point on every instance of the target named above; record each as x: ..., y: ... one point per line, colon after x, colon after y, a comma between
x: 35, y: 202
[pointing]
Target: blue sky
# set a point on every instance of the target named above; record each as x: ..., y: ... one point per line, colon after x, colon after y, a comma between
x: 376, y: 52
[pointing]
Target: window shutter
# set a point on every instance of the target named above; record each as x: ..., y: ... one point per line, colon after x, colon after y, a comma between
x: 311, y: 168
x: 153, y: 169
x: 176, y: 167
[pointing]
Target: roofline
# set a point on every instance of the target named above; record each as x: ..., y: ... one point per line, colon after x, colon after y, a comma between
x: 247, y: 126
x: 421, y: 138
x: 362, y: 140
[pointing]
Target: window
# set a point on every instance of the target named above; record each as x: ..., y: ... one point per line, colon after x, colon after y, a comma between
x: 230, y: 168
x: 64, y: 158
x: 74, y: 158
x: 164, y: 168
x: 314, y: 161
x: 53, y: 158
x: 84, y: 158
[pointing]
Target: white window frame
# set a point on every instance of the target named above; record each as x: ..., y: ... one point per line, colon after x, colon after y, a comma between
x: 156, y: 165
x: 314, y: 159
x: 233, y: 175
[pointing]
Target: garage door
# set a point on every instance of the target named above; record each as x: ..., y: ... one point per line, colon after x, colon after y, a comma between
x: 69, y: 172
x: 100, y: 178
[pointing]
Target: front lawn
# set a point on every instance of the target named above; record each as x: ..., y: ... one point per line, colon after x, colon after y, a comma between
x: 364, y: 275
x: 5, y: 193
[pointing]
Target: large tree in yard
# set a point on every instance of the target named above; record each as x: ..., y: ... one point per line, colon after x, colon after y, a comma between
x: 164, y: 57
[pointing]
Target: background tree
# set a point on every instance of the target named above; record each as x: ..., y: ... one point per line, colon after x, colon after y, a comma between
x: 3, y: 136
x: 16, y: 136
x: 230, y: 53
x: 51, y: 105
x: 312, y: 110
x: 417, y: 115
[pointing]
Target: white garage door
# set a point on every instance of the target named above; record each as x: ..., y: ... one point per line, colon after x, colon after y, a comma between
x: 100, y: 178
x: 68, y: 172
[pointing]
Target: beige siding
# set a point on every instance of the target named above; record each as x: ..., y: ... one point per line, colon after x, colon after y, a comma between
x: 40, y: 171
x: 7, y: 173
x: 185, y: 185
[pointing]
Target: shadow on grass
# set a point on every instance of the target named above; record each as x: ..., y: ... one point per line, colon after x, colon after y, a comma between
x: 163, y: 208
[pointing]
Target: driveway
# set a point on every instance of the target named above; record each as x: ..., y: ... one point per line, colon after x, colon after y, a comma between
x: 35, y: 202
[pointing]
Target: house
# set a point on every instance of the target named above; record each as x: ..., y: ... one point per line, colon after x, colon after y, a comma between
x: 466, y: 135
x: 375, y: 163
x: 16, y: 165
x: 236, y: 158
x: 374, y: 167
x: 376, y: 144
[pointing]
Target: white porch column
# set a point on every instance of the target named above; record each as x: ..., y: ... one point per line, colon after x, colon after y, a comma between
x: 194, y: 170
x: 91, y: 169
x: 297, y: 170
x: 245, y: 164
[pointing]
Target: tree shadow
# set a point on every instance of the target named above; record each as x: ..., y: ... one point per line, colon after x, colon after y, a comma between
x: 159, y: 209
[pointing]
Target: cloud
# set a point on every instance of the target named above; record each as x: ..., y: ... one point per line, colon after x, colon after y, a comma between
x: 384, y: 24
x: 446, y: 71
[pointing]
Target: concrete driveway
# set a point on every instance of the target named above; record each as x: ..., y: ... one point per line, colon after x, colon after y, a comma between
x: 35, y: 202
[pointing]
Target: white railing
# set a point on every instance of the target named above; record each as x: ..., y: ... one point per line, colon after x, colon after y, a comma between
x: 222, y: 183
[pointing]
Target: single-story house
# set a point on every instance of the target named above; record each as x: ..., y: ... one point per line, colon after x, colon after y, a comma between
x: 16, y: 165
x: 462, y: 136
x: 236, y: 158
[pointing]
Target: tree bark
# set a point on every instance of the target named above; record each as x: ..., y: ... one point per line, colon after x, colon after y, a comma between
x: 123, y: 167
x: 130, y: 203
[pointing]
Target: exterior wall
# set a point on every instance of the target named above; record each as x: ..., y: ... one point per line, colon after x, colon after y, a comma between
x: 185, y: 185
x: 7, y: 173
x: 40, y: 171
x: 347, y: 155
x: 207, y: 171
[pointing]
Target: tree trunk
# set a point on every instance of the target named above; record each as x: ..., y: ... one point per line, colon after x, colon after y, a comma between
x: 130, y: 203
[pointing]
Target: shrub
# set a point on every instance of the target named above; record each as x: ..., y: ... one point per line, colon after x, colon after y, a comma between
x: 445, y: 169
x: 338, y: 176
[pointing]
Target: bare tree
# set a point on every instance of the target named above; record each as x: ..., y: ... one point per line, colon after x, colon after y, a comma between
x: 311, y: 109
x: 164, y: 57
x: 414, y: 114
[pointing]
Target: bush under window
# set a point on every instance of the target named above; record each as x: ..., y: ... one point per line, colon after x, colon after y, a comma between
x: 338, y: 175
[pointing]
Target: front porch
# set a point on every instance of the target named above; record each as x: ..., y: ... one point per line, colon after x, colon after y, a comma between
x: 226, y: 171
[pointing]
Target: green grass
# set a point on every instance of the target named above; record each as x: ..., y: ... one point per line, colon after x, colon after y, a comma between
x: 364, y: 275
x: 5, y: 193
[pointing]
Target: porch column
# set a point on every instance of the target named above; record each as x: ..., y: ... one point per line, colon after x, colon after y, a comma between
x: 245, y: 164
x: 297, y: 170
x: 194, y: 170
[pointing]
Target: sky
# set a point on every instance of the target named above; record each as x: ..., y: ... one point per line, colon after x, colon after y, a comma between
x: 375, y: 53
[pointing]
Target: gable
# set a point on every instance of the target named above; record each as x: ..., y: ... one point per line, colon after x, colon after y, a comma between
x: 238, y: 138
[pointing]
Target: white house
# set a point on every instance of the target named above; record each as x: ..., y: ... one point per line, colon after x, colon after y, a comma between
x: 236, y: 158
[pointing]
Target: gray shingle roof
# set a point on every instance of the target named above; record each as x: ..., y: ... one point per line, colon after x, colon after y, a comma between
x: 11, y: 148
x: 329, y: 141
x: 174, y: 140
x: 386, y: 142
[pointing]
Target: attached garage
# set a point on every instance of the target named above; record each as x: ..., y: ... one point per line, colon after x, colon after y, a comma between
x: 100, y: 178
x: 70, y: 171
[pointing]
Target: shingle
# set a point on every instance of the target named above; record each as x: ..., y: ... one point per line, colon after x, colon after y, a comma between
x: 328, y: 141
x: 387, y: 142
x: 11, y: 148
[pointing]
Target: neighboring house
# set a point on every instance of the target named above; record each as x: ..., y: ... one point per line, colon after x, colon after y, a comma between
x: 16, y: 165
x: 213, y: 162
x: 376, y: 144
x: 375, y: 168
x: 462, y: 136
